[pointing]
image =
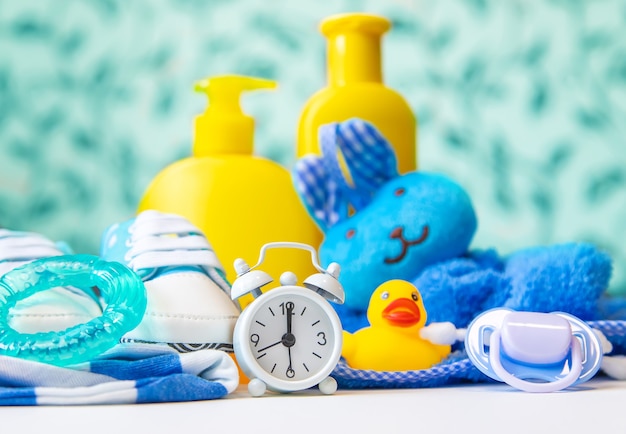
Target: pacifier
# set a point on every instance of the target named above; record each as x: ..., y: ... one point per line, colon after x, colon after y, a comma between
x: 531, y: 351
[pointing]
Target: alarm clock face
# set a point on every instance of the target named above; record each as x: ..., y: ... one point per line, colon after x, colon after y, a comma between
x: 290, y: 338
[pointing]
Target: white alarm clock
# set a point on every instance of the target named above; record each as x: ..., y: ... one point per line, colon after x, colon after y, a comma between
x: 290, y: 337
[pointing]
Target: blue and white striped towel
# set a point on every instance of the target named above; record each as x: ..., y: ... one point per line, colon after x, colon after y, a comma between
x: 126, y: 374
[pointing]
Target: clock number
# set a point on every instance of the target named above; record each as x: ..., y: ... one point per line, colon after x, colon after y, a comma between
x: 290, y: 373
x: 254, y: 339
x: 287, y: 306
x: 322, y: 336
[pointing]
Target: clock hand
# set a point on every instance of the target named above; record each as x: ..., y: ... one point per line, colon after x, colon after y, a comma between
x: 290, y: 372
x: 289, y: 339
x: 270, y: 346
x: 290, y: 306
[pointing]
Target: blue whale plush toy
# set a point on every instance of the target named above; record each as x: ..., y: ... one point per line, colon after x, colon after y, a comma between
x: 380, y: 225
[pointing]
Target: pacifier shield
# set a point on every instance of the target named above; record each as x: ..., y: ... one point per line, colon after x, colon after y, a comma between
x: 534, y: 352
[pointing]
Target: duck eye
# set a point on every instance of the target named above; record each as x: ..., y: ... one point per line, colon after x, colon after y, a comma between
x: 384, y: 295
x: 399, y: 191
x: 350, y: 233
x: 414, y: 296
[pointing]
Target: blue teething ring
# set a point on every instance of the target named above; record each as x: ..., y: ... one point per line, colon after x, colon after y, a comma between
x: 122, y: 290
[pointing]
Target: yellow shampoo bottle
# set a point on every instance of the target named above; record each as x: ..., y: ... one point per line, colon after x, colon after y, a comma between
x: 355, y: 88
x: 240, y: 201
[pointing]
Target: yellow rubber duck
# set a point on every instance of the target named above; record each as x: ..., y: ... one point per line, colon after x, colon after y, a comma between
x: 392, y: 342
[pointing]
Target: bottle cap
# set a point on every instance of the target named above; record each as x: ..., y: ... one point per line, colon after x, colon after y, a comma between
x: 360, y: 22
x: 354, y: 52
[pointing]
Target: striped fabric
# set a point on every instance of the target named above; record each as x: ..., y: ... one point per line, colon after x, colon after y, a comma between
x: 127, y: 374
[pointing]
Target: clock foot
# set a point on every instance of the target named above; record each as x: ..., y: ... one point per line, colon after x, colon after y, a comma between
x: 328, y: 386
x: 256, y: 387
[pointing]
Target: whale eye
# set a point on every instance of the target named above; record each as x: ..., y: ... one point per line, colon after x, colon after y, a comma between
x: 350, y: 233
x: 414, y: 296
x: 399, y: 191
x: 384, y: 295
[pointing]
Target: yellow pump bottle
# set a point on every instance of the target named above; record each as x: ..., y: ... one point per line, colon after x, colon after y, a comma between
x: 240, y: 201
x: 355, y: 88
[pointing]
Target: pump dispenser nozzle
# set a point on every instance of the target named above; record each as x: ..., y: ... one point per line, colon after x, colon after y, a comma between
x: 224, y: 128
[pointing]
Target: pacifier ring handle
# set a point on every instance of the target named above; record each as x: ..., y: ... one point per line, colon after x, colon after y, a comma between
x: 122, y: 291
x: 529, y: 386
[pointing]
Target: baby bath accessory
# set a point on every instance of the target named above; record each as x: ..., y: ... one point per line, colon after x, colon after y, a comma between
x: 355, y: 88
x: 239, y: 199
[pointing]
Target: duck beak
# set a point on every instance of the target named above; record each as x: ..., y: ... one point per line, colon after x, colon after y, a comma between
x: 402, y: 313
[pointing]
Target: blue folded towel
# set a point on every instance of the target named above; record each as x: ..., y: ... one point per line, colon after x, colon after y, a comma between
x: 126, y: 374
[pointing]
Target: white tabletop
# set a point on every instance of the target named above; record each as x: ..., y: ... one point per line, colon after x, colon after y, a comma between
x: 594, y: 407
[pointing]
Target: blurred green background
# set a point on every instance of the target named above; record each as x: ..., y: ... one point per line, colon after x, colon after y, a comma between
x: 522, y: 102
